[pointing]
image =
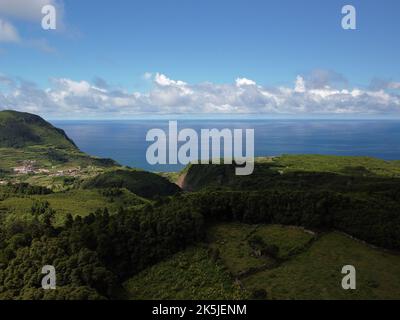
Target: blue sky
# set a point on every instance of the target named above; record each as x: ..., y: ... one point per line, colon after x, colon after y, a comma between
x: 272, y: 43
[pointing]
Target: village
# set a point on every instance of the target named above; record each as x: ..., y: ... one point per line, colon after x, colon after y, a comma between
x: 30, y: 167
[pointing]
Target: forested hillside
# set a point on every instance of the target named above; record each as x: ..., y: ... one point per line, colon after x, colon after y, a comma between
x: 18, y: 130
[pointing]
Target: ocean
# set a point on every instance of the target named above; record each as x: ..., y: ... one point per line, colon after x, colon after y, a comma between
x: 125, y: 141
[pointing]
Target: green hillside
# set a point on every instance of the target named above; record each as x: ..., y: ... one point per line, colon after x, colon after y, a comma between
x: 190, y: 274
x: 293, y: 171
x: 76, y: 202
x: 18, y: 130
x: 35, y: 152
x: 145, y: 184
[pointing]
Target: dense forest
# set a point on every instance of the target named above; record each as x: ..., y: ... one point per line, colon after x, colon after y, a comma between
x: 93, y: 254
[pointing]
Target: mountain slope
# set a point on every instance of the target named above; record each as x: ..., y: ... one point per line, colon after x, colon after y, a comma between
x: 144, y: 184
x: 18, y: 130
x: 337, y: 173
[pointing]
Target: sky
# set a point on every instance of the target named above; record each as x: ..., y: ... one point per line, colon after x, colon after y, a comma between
x: 130, y: 58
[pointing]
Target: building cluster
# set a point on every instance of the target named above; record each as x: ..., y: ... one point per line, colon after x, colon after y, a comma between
x: 26, y: 168
x: 29, y: 167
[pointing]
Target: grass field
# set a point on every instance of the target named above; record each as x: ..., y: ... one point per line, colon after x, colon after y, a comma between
x: 337, y: 164
x: 74, y: 202
x: 188, y: 275
x: 231, y: 240
x: 309, y: 267
x: 333, y: 173
x: 316, y: 273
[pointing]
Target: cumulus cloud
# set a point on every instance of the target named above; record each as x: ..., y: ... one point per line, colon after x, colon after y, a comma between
x: 320, y: 78
x: 164, y: 81
x: 69, y: 98
x: 383, y: 84
x: 240, y: 82
x: 8, y: 33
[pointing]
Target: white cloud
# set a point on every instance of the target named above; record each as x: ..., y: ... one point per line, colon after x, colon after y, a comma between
x: 300, y: 85
x: 319, y: 79
x: 66, y: 97
x: 8, y: 33
x: 163, y: 81
x: 240, y: 82
x: 74, y: 88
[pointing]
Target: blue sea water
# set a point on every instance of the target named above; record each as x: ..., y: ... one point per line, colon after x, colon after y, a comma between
x: 125, y: 141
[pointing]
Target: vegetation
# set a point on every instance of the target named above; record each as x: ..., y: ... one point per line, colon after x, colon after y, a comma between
x: 190, y: 274
x: 331, y: 173
x: 74, y: 202
x: 145, y: 184
x: 92, y: 252
x: 315, y: 273
x: 18, y: 130
x: 113, y: 232
x: 309, y: 268
x: 238, y: 244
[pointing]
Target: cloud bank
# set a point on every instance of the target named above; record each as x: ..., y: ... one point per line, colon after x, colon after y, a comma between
x: 309, y: 95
